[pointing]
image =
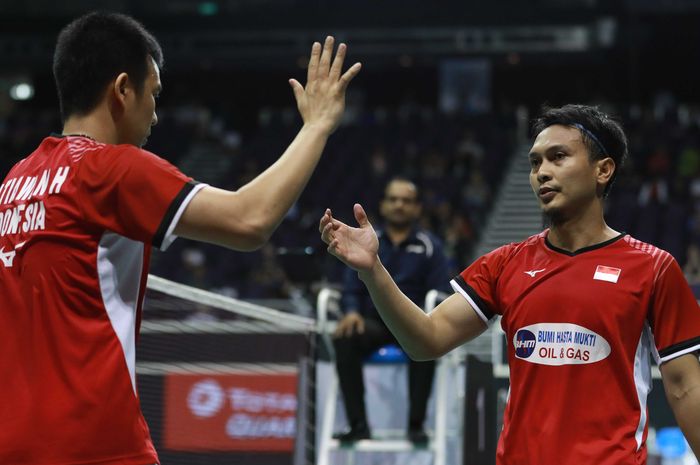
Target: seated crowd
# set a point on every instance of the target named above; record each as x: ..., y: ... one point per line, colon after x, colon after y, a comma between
x: 456, y: 160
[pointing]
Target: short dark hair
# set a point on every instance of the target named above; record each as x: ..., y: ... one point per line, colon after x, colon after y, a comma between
x: 602, y: 135
x: 405, y: 179
x: 92, y: 50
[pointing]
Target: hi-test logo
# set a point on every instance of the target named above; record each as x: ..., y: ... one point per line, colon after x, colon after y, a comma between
x: 559, y: 344
x: 524, y: 343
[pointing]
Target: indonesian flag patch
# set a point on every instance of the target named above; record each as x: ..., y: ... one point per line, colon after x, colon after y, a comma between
x: 607, y: 273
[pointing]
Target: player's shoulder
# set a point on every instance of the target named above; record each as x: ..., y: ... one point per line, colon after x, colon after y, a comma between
x: 657, y: 257
x: 506, y: 254
x: 101, y: 156
x: 72, y: 149
x: 514, y: 248
x: 641, y: 247
x: 98, y: 151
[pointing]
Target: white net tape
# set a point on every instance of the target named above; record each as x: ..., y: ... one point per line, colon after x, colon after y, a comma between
x: 229, y: 304
x: 219, y: 378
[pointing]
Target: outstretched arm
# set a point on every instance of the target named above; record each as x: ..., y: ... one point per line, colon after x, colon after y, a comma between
x: 422, y: 336
x: 245, y: 219
x: 681, y: 378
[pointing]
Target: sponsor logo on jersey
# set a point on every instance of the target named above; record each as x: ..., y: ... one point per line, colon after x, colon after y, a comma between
x: 524, y: 343
x: 559, y: 344
x: 532, y: 273
x: 607, y: 273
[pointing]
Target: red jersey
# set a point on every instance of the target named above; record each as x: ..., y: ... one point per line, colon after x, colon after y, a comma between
x: 581, y: 328
x: 74, y: 220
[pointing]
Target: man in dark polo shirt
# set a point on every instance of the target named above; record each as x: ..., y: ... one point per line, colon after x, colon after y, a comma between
x: 416, y: 261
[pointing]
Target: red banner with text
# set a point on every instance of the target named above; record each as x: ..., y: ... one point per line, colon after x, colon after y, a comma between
x: 233, y: 412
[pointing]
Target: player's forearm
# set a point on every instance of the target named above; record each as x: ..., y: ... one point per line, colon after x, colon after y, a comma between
x: 686, y: 408
x: 268, y: 197
x: 409, y: 324
x: 245, y: 219
x: 681, y: 378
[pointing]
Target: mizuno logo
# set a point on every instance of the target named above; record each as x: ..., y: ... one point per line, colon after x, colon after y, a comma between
x: 7, y: 257
x: 534, y: 272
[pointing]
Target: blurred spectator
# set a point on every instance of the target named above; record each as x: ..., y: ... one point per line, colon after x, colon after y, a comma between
x: 267, y: 278
x: 194, y: 273
x: 689, y: 163
x: 655, y: 186
x: 415, y: 259
x: 692, y: 265
x: 456, y: 159
x: 470, y: 150
x: 476, y: 197
x: 459, y: 241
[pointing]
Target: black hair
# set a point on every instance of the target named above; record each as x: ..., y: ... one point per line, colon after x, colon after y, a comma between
x: 400, y: 178
x: 92, y: 51
x: 602, y: 135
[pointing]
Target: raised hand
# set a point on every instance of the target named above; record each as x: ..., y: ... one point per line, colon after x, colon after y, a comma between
x: 356, y: 247
x: 322, y: 101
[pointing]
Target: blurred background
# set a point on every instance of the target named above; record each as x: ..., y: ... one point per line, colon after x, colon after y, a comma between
x: 445, y: 97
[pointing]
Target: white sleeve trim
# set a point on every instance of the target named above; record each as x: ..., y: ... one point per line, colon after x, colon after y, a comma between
x: 476, y: 308
x: 169, y: 236
x: 694, y: 348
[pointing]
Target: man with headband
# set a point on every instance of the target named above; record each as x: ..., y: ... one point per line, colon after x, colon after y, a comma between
x: 584, y: 308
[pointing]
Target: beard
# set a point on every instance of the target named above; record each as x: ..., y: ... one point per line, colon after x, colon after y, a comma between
x: 552, y: 217
x: 403, y: 222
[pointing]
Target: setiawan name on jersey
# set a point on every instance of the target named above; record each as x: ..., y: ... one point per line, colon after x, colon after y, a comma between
x: 28, y: 216
x: 559, y: 344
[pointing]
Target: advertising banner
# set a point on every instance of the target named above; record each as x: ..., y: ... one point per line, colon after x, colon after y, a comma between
x: 230, y: 412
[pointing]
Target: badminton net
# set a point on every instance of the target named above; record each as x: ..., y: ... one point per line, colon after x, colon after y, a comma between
x: 223, y: 381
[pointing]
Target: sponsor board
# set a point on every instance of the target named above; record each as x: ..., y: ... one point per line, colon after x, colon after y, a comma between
x: 233, y: 412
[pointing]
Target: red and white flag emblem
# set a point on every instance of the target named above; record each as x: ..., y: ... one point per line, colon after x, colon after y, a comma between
x: 607, y: 273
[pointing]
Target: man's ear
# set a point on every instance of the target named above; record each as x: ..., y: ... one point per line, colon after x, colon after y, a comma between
x: 121, y: 88
x: 605, y: 169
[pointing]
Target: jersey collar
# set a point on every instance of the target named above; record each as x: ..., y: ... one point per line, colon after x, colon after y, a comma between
x: 583, y: 249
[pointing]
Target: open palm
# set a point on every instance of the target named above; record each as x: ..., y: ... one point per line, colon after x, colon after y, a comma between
x: 356, y: 247
x: 322, y: 101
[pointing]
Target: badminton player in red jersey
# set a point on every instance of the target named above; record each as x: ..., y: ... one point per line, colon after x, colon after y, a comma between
x: 77, y: 219
x: 584, y: 308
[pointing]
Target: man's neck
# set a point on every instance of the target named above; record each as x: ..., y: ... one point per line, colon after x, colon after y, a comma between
x: 397, y: 234
x: 97, y: 125
x: 585, y: 230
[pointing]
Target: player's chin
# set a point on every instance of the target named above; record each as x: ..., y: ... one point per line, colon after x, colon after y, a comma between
x: 557, y: 214
x: 550, y: 202
x: 549, y: 209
